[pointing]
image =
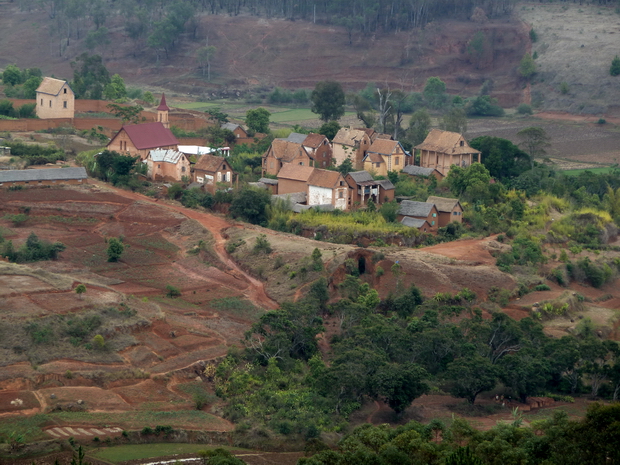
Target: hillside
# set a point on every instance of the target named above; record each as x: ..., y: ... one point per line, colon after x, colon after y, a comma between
x: 258, y: 53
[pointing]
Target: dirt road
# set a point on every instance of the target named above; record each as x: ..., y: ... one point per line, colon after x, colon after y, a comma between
x: 215, y: 225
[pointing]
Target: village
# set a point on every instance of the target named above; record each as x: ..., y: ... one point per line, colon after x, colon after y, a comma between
x: 295, y: 167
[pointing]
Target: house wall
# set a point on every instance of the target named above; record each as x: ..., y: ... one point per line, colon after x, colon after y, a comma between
x: 56, y: 106
x: 341, y: 152
x: 289, y: 186
x: 322, y: 155
x: 165, y: 171
x: 271, y: 165
x: 386, y: 195
x: 371, y: 167
x: 455, y: 216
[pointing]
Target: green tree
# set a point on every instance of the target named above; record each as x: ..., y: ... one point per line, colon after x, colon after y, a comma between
x: 115, y: 249
x: 257, y: 120
x: 328, y: 100
x: 30, y: 87
x: 329, y: 129
x: 534, y: 141
x: 128, y: 114
x: 12, y: 76
x: 345, y: 167
x: 435, y: 92
x: 251, y: 205
x: 90, y: 77
x: 614, y: 70
x: 217, y: 115
x: 455, y: 121
x: 527, y: 66
x: 470, y: 376
x: 400, y: 384
x: 419, y: 127
x: 116, y: 89
x: 501, y: 157
x: 80, y: 289
x: 204, y: 55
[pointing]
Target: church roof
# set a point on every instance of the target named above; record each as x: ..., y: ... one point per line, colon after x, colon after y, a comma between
x: 162, y: 105
x: 150, y: 135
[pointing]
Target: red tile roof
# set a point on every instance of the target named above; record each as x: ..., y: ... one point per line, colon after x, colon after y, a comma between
x: 295, y: 172
x: 150, y: 135
x: 162, y: 105
x: 314, y: 140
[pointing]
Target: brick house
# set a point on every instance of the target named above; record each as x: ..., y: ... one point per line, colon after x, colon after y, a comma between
x: 210, y: 170
x: 140, y: 139
x: 385, y: 155
x: 328, y: 188
x: 352, y: 144
x: 443, y: 149
x: 167, y: 165
x: 294, y: 178
x: 362, y: 188
x: 236, y: 129
x: 281, y: 152
x: 419, y: 211
x: 319, y: 149
x: 55, y: 99
x: 450, y: 210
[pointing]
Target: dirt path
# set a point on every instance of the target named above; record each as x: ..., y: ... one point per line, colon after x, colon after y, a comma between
x: 255, y: 291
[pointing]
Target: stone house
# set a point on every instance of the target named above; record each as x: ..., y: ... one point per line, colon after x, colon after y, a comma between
x: 419, y: 171
x: 450, y: 210
x: 210, y: 170
x: 362, y: 188
x: 443, y: 149
x: 167, y: 165
x: 419, y: 211
x: 55, y: 99
x: 139, y: 139
x: 385, y: 155
x: 352, y: 144
x: 281, y: 152
x: 42, y: 177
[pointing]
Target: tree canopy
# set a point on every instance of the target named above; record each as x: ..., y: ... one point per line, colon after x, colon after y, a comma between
x: 328, y: 100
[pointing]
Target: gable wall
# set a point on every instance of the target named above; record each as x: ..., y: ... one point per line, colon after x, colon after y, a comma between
x: 56, y: 106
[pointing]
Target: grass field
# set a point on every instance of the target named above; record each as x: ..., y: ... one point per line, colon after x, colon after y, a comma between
x: 118, y: 454
x: 605, y: 170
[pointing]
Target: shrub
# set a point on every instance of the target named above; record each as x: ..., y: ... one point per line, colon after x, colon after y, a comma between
x: 262, y: 245
x: 614, y: 70
x: 115, y: 249
x: 542, y: 287
x: 172, y: 291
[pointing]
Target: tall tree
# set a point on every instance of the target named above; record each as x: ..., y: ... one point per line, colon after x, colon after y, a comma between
x: 534, y: 141
x: 204, y: 56
x: 328, y: 100
x: 257, y: 120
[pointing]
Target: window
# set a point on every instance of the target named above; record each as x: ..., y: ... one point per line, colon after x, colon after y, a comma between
x: 324, y: 163
x: 65, y: 91
x: 462, y: 143
x: 342, y: 183
x: 158, y: 166
x: 41, y: 102
x: 397, y: 161
x: 341, y: 195
x: 64, y: 104
x: 434, y: 215
x: 455, y: 213
x: 182, y: 169
x: 50, y: 104
x: 432, y: 223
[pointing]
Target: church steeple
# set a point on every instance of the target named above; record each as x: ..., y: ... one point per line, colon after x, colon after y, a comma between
x: 162, y: 112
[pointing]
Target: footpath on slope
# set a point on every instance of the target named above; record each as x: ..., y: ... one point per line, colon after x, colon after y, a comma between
x: 215, y: 225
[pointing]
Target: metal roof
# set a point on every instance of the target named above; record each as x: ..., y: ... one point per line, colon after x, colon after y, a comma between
x: 47, y: 174
x: 167, y: 156
x: 418, y: 170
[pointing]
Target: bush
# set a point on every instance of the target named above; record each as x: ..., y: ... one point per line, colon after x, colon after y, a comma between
x: 262, y: 245
x: 172, y: 291
x: 542, y: 287
x: 614, y: 70
x: 115, y: 249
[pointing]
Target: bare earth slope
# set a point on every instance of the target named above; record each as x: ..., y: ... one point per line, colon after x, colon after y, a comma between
x: 259, y: 52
